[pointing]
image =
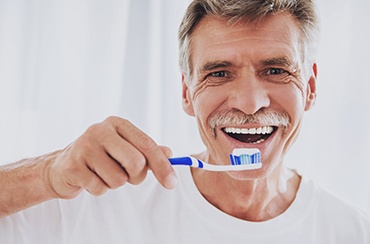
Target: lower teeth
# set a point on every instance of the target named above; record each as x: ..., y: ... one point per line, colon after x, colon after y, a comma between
x: 259, y: 141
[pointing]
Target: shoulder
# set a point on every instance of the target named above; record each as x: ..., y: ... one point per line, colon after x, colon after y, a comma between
x: 334, y: 203
x: 336, y: 213
x: 329, y: 201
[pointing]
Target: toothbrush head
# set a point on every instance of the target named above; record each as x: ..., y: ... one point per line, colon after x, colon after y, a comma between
x: 242, y: 156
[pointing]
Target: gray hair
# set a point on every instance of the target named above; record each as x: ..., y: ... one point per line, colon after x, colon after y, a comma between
x: 249, y: 10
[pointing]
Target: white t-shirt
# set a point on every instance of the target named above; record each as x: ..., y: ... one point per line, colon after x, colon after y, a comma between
x: 148, y: 213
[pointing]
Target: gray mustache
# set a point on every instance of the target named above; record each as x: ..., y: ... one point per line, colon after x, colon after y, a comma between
x: 264, y: 116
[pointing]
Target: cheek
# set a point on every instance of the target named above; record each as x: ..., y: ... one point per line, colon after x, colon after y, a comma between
x: 208, y: 101
x: 290, y: 98
x: 205, y: 104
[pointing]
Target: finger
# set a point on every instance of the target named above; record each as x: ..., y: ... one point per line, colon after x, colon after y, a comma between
x: 133, y: 162
x: 157, y: 161
x: 126, y: 157
x: 108, y: 170
x: 88, y: 180
x: 129, y: 158
x: 85, y: 152
x: 166, y: 150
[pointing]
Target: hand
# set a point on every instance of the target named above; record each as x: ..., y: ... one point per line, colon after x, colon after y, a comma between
x: 106, y: 156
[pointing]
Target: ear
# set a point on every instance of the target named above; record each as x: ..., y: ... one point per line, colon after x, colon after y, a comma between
x: 187, y: 103
x: 311, y: 89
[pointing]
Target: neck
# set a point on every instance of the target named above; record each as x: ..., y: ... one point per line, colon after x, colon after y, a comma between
x: 253, y: 200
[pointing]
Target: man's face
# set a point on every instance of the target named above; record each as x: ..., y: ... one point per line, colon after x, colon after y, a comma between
x: 242, y: 70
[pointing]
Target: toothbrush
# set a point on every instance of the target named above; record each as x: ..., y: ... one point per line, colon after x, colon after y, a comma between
x: 241, y: 159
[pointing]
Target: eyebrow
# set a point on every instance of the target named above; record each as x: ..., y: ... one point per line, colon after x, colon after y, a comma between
x: 278, y: 61
x: 212, y: 65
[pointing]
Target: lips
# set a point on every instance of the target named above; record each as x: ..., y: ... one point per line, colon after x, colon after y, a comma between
x: 250, y: 135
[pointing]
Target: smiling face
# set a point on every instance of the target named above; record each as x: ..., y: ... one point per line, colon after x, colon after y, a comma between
x: 248, y: 88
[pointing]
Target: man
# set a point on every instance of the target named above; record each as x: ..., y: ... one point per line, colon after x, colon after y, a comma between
x: 248, y: 75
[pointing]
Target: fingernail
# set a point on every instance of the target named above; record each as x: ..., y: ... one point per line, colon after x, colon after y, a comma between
x: 171, y: 181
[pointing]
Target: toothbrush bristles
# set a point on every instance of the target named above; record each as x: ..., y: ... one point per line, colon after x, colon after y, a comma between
x: 245, y: 159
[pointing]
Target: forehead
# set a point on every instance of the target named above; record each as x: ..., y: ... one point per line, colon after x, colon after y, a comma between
x: 214, y: 38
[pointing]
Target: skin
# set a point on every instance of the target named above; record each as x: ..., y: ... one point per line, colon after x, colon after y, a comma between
x: 247, y: 67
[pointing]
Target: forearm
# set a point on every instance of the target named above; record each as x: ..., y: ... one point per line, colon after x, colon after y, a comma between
x: 24, y: 184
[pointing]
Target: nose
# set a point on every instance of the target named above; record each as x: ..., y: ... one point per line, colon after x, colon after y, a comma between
x: 249, y: 94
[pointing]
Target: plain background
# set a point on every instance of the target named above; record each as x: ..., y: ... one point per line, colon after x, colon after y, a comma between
x: 65, y: 65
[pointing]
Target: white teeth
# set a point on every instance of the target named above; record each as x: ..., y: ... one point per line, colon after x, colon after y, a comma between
x: 259, y: 141
x: 252, y: 131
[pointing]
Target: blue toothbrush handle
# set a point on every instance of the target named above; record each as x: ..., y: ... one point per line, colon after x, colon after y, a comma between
x: 188, y: 161
x: 181, y: 161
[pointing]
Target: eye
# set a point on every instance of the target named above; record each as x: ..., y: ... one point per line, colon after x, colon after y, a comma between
x: 276, y: 71
x: 277, y: 75
x: 220, y: 77
x: 218, y: 74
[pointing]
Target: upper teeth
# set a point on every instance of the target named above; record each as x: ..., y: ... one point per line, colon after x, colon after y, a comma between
x: 260, y: 130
